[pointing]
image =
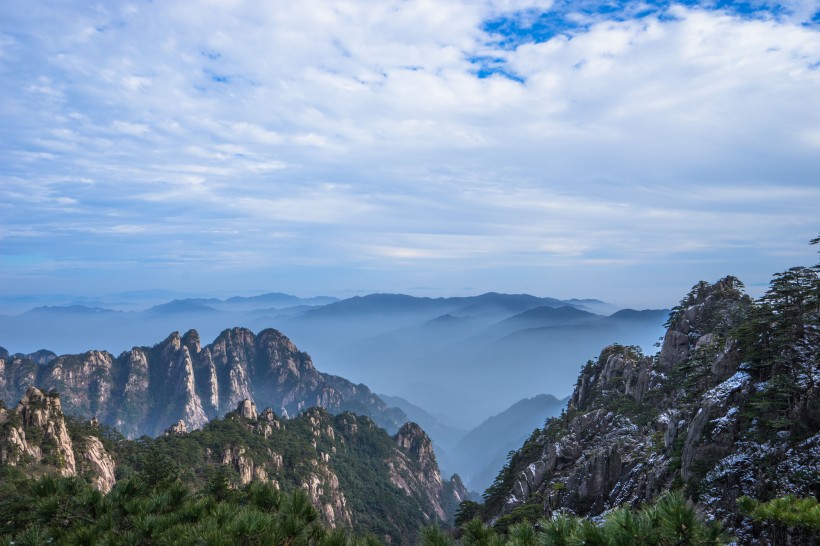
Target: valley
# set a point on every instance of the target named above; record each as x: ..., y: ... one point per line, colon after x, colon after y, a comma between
x: 704, y: 416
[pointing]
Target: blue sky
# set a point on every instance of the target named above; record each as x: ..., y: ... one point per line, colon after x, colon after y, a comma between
x: 618, y: 150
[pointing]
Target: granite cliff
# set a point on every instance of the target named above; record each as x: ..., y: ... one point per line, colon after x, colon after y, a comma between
x: 729, y: 407
x: 147, y: 389
x: 35, y: 436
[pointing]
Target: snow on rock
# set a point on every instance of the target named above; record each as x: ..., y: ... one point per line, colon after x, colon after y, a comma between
x: 720, y: 392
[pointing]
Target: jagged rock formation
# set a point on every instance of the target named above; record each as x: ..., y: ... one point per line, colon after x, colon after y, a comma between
x: 689, y: 418
x: 146, y: 390
x: 355, y: 474
x: 35, y: 434
x: 100, y: 464
x: 414, y: 470
x: 178, y: 428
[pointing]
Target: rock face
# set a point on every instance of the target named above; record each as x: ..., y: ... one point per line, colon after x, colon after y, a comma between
x: 40, y: 415
x: 36, y: 432
x: 354, y: 472
x: 101, y: 464
x: 636, y: 426
x: 344, y: 463
x: 146, y: 390
x: 414, y: 469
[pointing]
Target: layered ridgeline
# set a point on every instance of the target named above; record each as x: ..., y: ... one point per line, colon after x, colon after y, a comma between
x: 355, y: 475
x: 145, y: 390
x: 477, y: 454
x: 729, y: 407
x: 483, y: 450
x: 433, y: 345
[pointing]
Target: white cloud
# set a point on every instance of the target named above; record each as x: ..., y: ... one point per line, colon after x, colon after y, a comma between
x: 635, y: 137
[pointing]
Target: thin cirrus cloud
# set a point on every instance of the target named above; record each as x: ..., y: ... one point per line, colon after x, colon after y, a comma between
x: 521, y: 138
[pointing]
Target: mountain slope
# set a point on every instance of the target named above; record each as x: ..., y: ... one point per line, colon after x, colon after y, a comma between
x: 728, y: 407
x: 444, y: 436
x: 354, y: 473
x: 483, y: 450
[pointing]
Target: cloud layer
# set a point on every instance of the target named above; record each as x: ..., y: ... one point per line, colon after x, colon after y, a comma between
x: 516, y: 145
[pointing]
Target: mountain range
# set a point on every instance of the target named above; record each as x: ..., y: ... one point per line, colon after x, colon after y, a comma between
x: 727, y: 414
x: 178, y: 382
x: 147, y: 389
x: 463, y: 357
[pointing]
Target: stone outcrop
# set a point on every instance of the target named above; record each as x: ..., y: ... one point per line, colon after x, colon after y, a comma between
x: 101, y: 464
x: 36, y: 432
x: 148, y: 389
x: 322, y: 486
x: 247, y: 409
x: 415, y: 471
x: 41, y: 415
x: 174, y: 430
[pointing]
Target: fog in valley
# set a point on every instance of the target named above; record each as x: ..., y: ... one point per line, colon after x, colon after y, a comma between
x: 461, y: 359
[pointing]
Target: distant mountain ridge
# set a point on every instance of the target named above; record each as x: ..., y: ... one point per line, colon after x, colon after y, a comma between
x: 479, y: 453
x: 381, y: 303
x: 409, y: 346
x: 146, y: 389
x: 484, y: 449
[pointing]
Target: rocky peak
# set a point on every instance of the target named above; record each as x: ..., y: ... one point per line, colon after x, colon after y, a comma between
x: 618, y: 370
x: 412, y: 439
x: 191, y: 341
x: 414, y: 470
x: 170, y: 344
x: 285, y: 365
x: 41, y: 434
x: 268, y: 415
x: 455, y: 492
x: 636, y: 426
x: 274, y: 341
x: 247, y: 409
x: 41, y: 357
x: 37, y: 408
x: 101, y: 464
x: 708, y: 309
x: 37, y: 430
x: 234, y: 354
x: 176, y: 429
x: 191, y: 405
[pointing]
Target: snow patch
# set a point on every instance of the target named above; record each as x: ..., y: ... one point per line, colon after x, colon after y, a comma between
x: 721, y: 423
x: 722, y: 391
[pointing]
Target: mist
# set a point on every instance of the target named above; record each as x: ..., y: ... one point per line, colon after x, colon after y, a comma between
x: 461, y: 359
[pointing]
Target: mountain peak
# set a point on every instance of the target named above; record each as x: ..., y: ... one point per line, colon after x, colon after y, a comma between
x: 702, y: 414
x: 412, y: 439
x: 247, y: 409
x: 146, y: 390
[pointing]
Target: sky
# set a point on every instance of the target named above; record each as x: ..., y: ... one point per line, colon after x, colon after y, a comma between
x: 615, y: 150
